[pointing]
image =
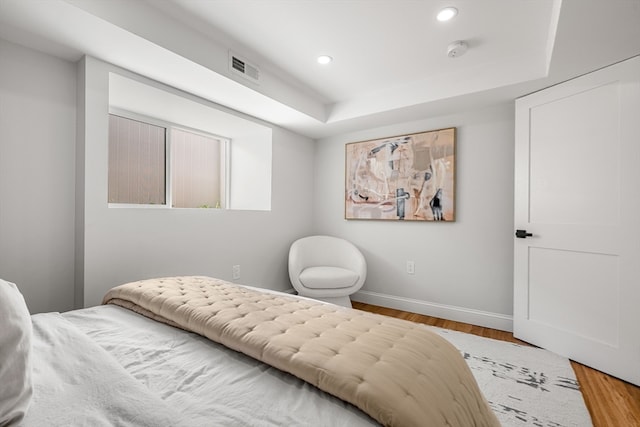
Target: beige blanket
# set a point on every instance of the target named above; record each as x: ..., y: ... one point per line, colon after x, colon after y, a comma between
x: 398, y: 372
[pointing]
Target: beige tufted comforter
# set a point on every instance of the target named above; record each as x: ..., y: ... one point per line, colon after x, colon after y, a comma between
x: 398, y: 372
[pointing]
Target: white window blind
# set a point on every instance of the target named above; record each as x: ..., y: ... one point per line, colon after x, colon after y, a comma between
x: 136, y: 162
x: 196, y: 163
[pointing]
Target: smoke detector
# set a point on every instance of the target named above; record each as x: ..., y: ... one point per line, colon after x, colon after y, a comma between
x: 457, y: 48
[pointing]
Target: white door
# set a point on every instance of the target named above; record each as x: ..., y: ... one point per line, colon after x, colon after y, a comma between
x: 577, y: 191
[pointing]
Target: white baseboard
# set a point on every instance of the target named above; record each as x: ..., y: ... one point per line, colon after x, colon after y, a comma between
x: 459, y: 314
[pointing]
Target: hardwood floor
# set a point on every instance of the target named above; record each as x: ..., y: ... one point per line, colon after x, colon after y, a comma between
x: 611, y: 402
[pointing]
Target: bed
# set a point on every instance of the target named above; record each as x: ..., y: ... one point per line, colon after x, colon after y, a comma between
x: 199, y: 351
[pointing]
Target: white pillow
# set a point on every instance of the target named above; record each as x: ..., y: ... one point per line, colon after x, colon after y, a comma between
x: 15, y: 362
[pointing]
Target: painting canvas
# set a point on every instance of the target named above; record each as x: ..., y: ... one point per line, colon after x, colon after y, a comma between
x: 408, y: 177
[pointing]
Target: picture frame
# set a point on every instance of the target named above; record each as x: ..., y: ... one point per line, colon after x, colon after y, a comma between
x: 407, y: 177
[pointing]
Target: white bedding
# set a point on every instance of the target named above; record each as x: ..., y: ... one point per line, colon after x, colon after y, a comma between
x: 77, y: 383
x: 399, y: 372
x: 169, y: 375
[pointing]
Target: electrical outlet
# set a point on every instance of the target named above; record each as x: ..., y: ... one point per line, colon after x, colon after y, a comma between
x: 236, y: 272
x: 411, y: 267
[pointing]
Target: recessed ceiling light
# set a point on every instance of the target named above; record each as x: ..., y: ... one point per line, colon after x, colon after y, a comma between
x: 447, y: 13
x: 324, y: 59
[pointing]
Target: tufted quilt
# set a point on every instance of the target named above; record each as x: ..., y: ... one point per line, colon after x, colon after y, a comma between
x: 398, y: 372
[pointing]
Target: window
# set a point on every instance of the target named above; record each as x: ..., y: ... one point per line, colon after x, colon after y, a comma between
x: 195, y: 172
x: 136, y: 162
x: 142, y: 155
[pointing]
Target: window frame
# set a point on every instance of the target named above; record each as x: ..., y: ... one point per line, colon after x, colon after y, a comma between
x: 225, y: 146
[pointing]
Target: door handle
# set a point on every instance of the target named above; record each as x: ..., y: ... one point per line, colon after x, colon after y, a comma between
x: 522, y: 234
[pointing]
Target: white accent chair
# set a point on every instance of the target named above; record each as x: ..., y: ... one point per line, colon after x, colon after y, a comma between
x: 326, y: 268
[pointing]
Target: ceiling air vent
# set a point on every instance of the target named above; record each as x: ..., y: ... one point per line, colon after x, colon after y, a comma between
x: 239, y: 65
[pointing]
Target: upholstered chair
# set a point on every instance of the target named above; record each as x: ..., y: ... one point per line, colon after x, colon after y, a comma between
x: 326, y: 268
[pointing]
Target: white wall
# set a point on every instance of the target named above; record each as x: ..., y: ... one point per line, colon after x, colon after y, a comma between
x: 463, y: 269
x: 37, y: 164
x: 122, y: 244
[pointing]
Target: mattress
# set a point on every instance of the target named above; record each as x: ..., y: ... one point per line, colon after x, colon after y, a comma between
x: 162, y: 375
x: 398, y: 372
x: 108, y: 365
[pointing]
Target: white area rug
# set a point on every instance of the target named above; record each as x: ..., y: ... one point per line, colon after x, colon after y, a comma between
x: 525, y: 386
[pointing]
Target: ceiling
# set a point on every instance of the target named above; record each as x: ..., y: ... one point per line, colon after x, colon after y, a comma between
x: 390, y: 56
x: 376, y: 45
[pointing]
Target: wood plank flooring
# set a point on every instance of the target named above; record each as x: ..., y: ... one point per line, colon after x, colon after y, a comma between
x: 611, y: 402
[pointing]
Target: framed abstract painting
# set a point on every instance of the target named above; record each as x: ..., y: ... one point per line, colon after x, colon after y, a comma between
x: 408, y: 177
